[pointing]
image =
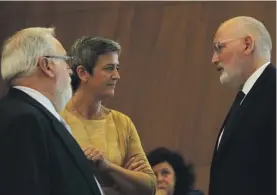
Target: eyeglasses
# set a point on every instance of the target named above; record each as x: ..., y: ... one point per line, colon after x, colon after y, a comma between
x: 70, y: 60
x: 217, y: 47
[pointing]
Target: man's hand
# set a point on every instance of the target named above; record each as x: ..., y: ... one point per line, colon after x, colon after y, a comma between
x: 97, y: 158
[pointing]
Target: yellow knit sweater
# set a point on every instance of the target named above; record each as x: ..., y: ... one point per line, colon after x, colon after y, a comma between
x: 115, y: 136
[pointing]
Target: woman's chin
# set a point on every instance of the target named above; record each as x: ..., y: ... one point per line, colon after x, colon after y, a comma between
x: 108, y: 94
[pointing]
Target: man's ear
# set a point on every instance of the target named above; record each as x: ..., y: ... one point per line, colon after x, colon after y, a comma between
x: 249, y: 43
x: 46, y: 67
x: 82, y: 73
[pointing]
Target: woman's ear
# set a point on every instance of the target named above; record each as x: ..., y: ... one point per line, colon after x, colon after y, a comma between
x: 46, y: 67
x: 82, y: 73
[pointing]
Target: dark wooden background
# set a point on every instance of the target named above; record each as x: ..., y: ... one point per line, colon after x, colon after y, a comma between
x: 168, y: 85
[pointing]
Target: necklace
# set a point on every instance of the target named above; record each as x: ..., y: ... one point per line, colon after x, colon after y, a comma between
x: 88, y: 126
x: 97, y: 115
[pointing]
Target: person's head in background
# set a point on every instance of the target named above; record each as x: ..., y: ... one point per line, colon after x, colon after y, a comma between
x: 174, y: 176
x: 34, y: 58
x: 241, y: 45
x: 96, y: 74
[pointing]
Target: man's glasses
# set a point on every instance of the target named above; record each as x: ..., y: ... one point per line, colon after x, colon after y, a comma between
x: 70, y: 60
x: 217, y: 47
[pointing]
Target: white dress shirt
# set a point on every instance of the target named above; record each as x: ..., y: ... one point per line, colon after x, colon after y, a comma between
x: 247, y: 87
x: 44, y: 101
x: 252, y: 79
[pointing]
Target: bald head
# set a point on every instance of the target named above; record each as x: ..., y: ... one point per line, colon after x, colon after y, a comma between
x: 241, y: 45
x: 243, y: 26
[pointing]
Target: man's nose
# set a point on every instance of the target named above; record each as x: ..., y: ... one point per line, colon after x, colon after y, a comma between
x: 215, y: 58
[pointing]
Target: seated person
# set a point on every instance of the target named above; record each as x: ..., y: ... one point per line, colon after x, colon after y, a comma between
x: 174, y: 176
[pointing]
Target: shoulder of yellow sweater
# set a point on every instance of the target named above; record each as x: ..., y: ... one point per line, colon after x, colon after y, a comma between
x: 120, y: 115
x: 122, y: 121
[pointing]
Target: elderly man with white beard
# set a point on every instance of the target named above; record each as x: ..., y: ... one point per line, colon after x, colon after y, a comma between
x: 244, y: 160
x: 38, y: 153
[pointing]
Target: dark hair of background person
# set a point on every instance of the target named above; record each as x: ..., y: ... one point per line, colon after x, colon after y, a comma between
x: 183, y: 172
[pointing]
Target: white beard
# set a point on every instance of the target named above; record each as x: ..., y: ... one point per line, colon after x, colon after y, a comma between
x: 231, y: 76
x: 224, y: 77
x: 63, y: 95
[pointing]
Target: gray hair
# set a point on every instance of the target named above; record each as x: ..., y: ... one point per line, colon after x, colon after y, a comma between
x: 248, y: 25
x: 21, y: 51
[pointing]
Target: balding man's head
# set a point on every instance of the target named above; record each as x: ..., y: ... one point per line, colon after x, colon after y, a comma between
x: 34, y: 58
x: 21, y: 51
x: 241, y: 45
x: 243, y: 26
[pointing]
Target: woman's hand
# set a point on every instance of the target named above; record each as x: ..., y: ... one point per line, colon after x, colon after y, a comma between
x: 97, y: 158
x: 134, y: 164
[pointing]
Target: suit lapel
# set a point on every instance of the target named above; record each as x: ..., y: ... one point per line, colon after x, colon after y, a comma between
x: 230, y: 127
x: 215, y: 153
x: 223, y: 127
x: 234, y: 124
x: 76, y: 153
x: 60, y: 130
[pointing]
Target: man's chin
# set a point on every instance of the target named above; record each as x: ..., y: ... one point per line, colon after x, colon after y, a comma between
x: 225, y: 80
x: 232, y: 86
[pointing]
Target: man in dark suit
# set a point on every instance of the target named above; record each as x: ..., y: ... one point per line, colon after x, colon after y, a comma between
x: 38, y: 154
x: 244, y: 160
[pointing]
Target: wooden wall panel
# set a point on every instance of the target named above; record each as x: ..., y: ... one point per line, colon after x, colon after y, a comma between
x: 168, y: 86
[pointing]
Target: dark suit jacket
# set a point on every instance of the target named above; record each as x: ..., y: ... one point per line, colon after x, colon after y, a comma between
x: 195, y: 192
x: 38, y: 156
x: 245, y: 162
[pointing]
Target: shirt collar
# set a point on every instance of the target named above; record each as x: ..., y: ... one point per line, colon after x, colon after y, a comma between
x: 40, y: 98
x: 253, y: 78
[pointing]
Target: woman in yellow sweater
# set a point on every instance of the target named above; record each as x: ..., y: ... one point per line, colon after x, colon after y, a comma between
x: 109, y: 138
